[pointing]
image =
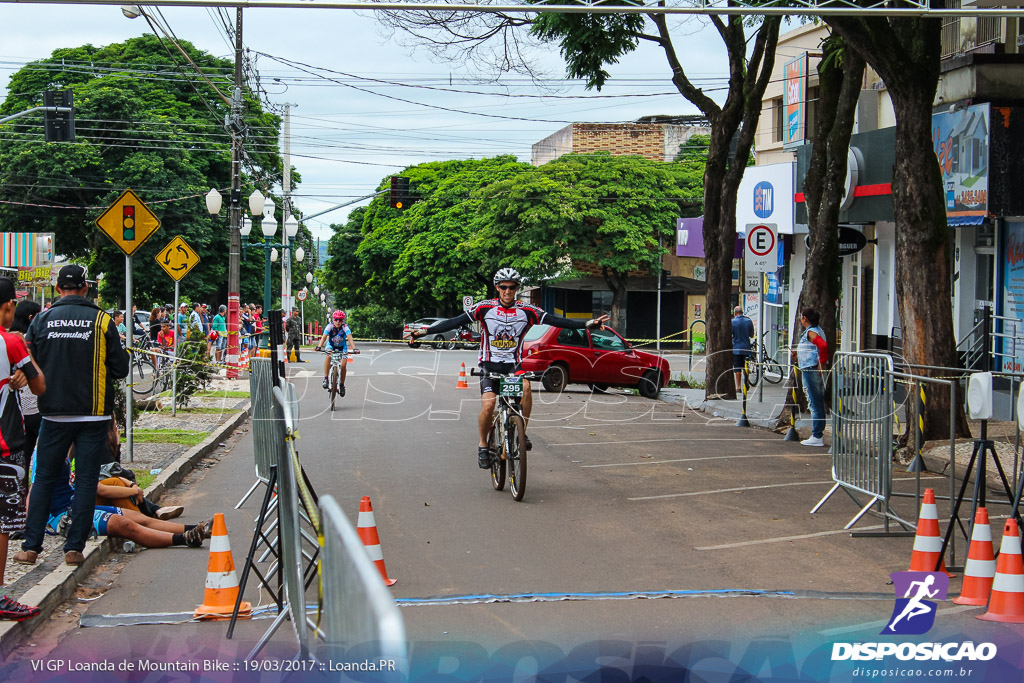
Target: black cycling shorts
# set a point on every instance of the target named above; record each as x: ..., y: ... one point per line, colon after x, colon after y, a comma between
x: 491, y: 385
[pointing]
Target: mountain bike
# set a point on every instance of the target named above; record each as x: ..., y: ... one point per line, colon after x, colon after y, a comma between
x: 506, y: 441
x: 763, y: 364
x: 338, y: 358
x: 144, y: 373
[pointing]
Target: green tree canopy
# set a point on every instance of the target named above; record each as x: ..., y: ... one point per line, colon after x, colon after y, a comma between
x: 147, y: 122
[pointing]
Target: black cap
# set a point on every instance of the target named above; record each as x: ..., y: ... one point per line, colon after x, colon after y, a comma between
x: 71, y: 276
x: 6, y: 290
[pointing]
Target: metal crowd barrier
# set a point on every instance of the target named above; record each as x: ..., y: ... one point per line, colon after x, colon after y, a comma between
x: 267, y: 433
x: 862, y: 436
x: 360, y: 621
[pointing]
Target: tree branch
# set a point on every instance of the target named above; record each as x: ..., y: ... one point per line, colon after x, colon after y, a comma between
x: 707, y: 106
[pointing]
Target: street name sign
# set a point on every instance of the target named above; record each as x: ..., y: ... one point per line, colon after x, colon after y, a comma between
x: 177, y: 258
x: 128, y: 222
x: 762, y: 241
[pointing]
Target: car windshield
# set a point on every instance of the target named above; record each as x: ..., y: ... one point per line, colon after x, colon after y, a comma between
x: 536, y: 332
x: 427, y: 321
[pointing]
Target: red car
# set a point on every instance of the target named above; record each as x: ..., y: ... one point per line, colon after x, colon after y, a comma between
x: 601, y: 358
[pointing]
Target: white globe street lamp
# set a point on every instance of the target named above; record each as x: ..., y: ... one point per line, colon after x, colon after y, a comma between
x: 214, y: 201
x: 309, y: 278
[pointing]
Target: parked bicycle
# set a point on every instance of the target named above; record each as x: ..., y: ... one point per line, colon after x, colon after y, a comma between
x: 144, y: 370
x: 506, y: 442
x: 763, y: 364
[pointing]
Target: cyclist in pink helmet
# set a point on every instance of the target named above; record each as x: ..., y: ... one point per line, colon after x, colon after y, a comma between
x: 337, y: 337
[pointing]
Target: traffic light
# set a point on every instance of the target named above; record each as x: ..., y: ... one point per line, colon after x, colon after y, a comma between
x: 399, y: 192
x: 128, y: 222
x: 59, y: 126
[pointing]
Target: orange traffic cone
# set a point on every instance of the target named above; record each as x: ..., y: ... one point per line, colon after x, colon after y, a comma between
x: 351, y: 359
x: 981, y: 564
x: 462, y: 383
x: 928, y: 542
x: 221, y: 581
x: 1007, y: 602
x: 367, y: 529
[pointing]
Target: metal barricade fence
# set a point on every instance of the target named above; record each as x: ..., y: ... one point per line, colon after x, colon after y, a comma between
x: 360, y: 618
x: 267, y: 433
x: 862, y: 437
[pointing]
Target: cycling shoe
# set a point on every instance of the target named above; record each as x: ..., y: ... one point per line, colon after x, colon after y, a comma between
x: 483, y: 457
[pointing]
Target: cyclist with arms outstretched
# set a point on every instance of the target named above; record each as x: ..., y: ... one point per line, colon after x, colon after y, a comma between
x: 503, y: 322
x: 337, y: 337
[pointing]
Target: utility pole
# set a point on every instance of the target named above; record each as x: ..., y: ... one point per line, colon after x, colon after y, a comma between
x: 235, y: 207
x: 286, y: 184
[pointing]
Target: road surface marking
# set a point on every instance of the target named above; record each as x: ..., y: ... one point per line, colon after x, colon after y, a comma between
x: 741, y: 488
x: 710, y: 457
x: 874, y: 625
x: 613, y: 443
x: 780, y: 539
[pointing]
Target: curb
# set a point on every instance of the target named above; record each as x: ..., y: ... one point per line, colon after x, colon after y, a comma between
x: 60, y: 584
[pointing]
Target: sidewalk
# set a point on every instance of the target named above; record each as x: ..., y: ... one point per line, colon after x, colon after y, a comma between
x: 50, y: 582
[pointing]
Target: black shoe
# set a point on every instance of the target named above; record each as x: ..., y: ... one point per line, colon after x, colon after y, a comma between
x: 529, y: 444
x: 325, y: 382
x: 341, y: 390
x: 194, y: 536
x: 483, y: 457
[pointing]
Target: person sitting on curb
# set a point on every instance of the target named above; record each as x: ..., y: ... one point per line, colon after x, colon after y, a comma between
x: 124, y: 523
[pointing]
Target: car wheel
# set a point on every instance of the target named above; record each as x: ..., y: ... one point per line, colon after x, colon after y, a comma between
x: 599, y: 388
x: 650, y: 384
x: 555, y: 378
x: 439, y: 338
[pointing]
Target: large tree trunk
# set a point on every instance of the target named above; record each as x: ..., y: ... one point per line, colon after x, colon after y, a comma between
x: 840, y: 76
x: 906, y: 54
x: 617, y: 284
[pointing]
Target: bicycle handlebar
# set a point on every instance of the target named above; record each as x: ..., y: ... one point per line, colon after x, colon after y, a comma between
x: 475, y: 372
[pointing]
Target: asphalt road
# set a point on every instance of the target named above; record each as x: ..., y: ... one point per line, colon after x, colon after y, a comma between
x: 627, y: 499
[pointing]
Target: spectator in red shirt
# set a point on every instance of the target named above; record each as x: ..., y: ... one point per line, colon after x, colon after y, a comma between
x: 16, y: 368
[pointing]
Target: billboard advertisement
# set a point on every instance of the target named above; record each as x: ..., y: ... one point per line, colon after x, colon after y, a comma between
x: 794, y: 128
x: 961, y: 140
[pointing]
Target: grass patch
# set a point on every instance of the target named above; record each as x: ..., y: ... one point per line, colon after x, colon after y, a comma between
x: 144, y: 479
x: 178, y: 436
x: 223, y: 394
x: 201, y: 410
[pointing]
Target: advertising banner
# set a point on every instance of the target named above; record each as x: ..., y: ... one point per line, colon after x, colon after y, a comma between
x: 961, y: 140
x: 794, y: 129
x: 1012, y: 359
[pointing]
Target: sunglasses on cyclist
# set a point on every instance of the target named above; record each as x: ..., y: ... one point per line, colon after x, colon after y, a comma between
x: 505, y: 288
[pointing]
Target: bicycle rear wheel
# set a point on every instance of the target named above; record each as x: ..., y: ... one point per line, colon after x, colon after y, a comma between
x: 516, y: 457
x: 143, y: 376
x: 497, y: 464
x: 753, y: 372
x: 772, y: 371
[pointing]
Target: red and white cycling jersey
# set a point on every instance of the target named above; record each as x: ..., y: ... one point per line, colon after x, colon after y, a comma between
x: 503, y: 328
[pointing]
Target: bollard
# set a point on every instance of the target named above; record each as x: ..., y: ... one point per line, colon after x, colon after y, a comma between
x: 792, y: 434
x: 743, y: 421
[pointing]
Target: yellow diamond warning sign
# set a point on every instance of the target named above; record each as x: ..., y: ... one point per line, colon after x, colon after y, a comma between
x: 177, y: 258
x: 128, y: 222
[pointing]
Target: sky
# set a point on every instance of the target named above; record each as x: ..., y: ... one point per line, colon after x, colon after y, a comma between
x: 349, y: 129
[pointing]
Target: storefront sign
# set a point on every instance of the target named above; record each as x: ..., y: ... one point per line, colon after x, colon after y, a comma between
x: 795, y: 100
x: 961, y: 141
x: 765, y: 195
x: 1012, y: 359
x: 851, y: 240
x: 35, y: 277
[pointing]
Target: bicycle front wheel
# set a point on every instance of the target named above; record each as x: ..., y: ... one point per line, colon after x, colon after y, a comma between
x: 143, y: 376
x: 497, y: 464
x: 773, y: 372
x: 516, y: 457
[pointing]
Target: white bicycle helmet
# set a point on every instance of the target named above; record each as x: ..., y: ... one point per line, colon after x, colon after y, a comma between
x: 508, y: 275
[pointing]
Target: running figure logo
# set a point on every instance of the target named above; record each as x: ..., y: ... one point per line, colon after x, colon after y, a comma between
x: 914, y: 612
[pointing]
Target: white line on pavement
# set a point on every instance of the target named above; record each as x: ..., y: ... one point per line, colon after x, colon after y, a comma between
x: 612, y: 443
x: 741, y: 488
x: 780, y: 539
x: 874, y: 625
x: 710, y: 457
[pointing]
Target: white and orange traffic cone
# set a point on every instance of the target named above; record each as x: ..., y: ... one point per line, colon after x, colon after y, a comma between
x: 980, y: 569
x: 351, y: 359
x: 367, y: 530
x: 462, y: 383
x: 927, y: 542
x: 1007, y: 602
x: 221, y: 581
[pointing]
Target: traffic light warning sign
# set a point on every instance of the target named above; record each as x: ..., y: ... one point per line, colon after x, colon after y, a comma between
x: 128, y: 222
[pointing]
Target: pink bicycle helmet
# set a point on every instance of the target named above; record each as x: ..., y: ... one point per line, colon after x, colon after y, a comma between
x: 339, y: 316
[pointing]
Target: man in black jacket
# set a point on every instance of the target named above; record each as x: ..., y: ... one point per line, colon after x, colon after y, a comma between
x: 77, y: 345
